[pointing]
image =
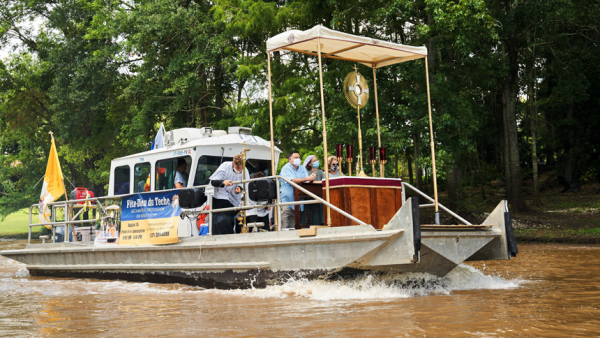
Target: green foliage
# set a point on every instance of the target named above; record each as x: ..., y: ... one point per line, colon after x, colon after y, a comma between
x: 103, y: 75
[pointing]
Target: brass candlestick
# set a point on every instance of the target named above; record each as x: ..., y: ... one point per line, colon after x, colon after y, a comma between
x: 349, y: 158
x: 372, y: 159
x: 373, y: 166
x: 349, y: 161
x: 382, y: 160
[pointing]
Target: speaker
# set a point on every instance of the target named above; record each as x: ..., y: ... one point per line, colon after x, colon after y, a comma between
x: 191, y: 198
x: 262, y: 190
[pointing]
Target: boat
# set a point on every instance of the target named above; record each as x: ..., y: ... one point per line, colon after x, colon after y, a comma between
x: 381, y: 234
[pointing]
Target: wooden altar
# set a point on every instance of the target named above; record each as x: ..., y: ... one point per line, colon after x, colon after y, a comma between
x: 371, y: 199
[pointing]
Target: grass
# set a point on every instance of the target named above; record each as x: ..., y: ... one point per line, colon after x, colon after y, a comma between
x: 16, y: 225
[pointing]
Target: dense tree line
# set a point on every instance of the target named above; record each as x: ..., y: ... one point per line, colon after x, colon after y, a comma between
x: 514, y: 83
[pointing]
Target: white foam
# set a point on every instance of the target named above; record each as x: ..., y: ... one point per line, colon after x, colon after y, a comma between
x: 22, y: 272
x: 381, y: 287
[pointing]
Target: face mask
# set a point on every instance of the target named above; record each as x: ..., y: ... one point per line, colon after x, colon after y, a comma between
x: 335, y: 167
x: 296, y: 162
x: 315, y: 164
x: 236, y: 171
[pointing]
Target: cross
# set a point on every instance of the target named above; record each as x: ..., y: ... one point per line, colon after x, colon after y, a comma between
x: 51, y: 134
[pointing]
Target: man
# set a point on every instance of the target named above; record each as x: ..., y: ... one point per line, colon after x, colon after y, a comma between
x: 296, y: 173
x: 227, y: 194
x: 181, y: 167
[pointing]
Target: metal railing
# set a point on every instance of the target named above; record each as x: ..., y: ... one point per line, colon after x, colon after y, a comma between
x: 69, y: 221
x: 453, y: 214
x: 277, y: 206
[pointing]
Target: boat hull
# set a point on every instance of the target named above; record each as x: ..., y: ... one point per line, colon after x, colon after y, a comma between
x: 262, y: 259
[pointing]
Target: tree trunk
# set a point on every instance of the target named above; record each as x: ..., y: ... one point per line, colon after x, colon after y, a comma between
x: 516, y: 196
x: 569, y: 146
x: 533, y: 126
x: 481, y: 182
x: 452, y: 185
x: 418, y: 171
x: 410, y: 169
x: 505, y: 155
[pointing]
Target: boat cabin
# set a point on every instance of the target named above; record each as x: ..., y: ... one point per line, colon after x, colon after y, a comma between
x: 202, y: 149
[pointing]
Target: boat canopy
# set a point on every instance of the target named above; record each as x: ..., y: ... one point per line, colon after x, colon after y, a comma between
x: 343, y: 46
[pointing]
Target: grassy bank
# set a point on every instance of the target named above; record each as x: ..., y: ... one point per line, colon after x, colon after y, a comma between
x: 16, y: 224
x: 563, y: 218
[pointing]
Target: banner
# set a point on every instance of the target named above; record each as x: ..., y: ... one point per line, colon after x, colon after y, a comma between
x: 150, y: 218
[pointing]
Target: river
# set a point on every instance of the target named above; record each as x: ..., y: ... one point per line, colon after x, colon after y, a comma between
x: 548, y: 291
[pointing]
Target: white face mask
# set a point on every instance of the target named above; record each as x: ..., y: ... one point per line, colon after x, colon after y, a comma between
x: 296, y: 162
x: 236, y: 171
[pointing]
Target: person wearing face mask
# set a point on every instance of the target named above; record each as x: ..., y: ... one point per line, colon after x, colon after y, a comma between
x: 334, y: 167
x: 313, y: 213
x: 312, y: 165
x: 227, y: 194
x: 295, y: 172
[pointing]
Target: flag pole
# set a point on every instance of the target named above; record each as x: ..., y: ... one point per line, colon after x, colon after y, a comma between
x: 67, y: 208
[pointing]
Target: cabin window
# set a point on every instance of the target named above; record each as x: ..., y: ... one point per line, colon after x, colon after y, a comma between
x: 166, y: 171
x: 121, y: 176
x: 141, y: 177
x: 207, y: 165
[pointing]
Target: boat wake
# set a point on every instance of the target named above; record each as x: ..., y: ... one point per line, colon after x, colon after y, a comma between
x: 382, y: 286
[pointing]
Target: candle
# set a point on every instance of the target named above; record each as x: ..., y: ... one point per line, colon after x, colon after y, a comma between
x: 382, y: 157
x: 349, y: 152
x: 372, y: 157
x: 338, y: 150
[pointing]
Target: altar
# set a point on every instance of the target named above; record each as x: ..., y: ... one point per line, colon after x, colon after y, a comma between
x: 372, y: 200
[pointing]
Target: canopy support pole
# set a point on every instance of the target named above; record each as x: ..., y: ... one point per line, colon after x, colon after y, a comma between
x: 381, y: 172
x: 273, y: 165
x: 435, y: 192
x: 325, y: 153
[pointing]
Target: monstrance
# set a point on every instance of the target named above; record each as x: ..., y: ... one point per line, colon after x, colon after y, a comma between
x: 357, y: 94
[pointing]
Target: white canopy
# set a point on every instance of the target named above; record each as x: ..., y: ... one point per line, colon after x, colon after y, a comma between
x: 343, y: 46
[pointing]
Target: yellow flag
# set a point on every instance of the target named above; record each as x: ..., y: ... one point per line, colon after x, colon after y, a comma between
x: 53, y: 187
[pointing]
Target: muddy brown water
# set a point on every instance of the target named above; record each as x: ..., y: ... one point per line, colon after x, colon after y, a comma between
x: 548, y: 291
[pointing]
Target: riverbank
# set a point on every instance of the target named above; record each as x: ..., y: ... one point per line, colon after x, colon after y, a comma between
x: 563, y: 218
x: 572, y: 218
x: 15, y: 225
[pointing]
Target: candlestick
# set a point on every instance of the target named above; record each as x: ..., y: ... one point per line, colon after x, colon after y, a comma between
x: 382, y: 161
x: 372, y: 159
x: 371, y: 154
x: 349, y: 158
x: 338, y: 150
x: 349, y: 152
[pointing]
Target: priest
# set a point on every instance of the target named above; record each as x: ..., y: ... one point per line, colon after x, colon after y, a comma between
x: 227, y: 195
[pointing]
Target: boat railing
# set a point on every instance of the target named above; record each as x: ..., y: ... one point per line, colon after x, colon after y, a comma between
x: 71, y: 220
x: 430, y: 205
x: 277, y: 206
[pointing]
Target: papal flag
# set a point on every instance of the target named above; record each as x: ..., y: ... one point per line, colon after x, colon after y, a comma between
x: 53, y: 187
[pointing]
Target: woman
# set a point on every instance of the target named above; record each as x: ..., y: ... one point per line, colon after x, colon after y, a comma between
x: 334, y: 167
x: 313, y: 213
x: 311, y: 163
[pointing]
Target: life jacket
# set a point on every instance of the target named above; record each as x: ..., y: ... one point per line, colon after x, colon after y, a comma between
x: 202, y: 218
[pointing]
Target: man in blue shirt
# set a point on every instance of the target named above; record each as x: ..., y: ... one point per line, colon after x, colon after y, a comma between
x: 179, y: 179
x: 296, y: 173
